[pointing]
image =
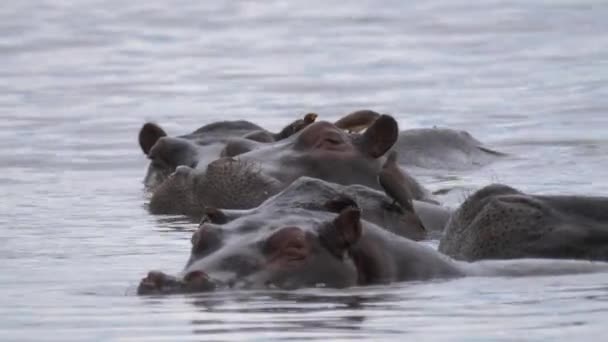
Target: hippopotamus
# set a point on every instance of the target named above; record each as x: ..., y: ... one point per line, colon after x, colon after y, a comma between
x: 199, y: 148
x: 299, y: 248
x: 413, y: 220
x: 320, y: 150
x: 500, y: 222
x: 429, y: 148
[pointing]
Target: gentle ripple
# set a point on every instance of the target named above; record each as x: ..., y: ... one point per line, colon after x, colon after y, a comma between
x: 78, y: 78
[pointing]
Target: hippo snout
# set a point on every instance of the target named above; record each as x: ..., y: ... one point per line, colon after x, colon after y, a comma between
x: 157, y: 282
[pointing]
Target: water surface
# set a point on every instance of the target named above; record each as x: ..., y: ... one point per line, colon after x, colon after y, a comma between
x: 79, y: 78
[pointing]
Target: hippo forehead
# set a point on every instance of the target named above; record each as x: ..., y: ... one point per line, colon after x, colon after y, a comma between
x: 247, y: 237
x: 264, y: 223
x: 322, y: 134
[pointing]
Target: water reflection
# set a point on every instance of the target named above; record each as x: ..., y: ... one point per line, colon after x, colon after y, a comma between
x: 296, y: 311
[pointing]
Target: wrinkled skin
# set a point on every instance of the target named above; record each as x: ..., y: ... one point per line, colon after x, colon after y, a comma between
x: 315, y: 195
x: 320, y: 150
x: 199, y: 148
x: 499, y: 222
x: 308, y: 193
x: 298, y: 249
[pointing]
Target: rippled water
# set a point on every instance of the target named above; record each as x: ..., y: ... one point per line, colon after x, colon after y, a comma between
x: 78, y: 78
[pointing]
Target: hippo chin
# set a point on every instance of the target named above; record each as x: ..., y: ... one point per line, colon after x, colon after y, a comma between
x: 299, y: 249
x: 500, y: 222
x: 199, y: 148
x: 320, y: 150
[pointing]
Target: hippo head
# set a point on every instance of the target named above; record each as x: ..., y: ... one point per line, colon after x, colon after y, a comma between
x: 323, y: 151
x: 497, y: 221
x: 294, y: 251
x: 166, y: 153
x: 204, y: 145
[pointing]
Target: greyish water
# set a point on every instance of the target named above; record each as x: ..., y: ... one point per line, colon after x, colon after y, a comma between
x: 79, y: 78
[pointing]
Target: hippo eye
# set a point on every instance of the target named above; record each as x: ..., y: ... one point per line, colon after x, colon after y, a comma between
x: 334, y: 140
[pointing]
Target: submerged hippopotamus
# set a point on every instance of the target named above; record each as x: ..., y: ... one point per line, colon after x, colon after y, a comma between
x: 429, y: 148
x: 301, y: 248
x: 409, y: 218
x: 413, y: 220
x: 320, y: 150
x: 199, y: 148
x: 500, y: 222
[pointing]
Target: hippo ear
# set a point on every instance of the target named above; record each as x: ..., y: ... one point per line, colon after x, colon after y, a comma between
x: 173, y: 152
x: 348, y: 224
x: 149, y: 135
x: 343, y: 232
x: 380, y: 136
x: 339, y: 203
x: 235, y: 147
x: 358, y: 120
x: 207, y: 239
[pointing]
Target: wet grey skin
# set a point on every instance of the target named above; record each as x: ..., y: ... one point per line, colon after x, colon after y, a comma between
x: 429, y: 148
x: 204, y: 145
x: 500, y: 222
x: 336, y: 250
x: 357, y: 121
x: 443, y: 149
x: 321, y: 150
x: 315, y: 195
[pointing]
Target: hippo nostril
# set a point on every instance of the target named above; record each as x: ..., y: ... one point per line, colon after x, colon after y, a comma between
x: 198, y: 281
x: 196, y: 275
x: 155, y: 282
x: 156, y: 278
